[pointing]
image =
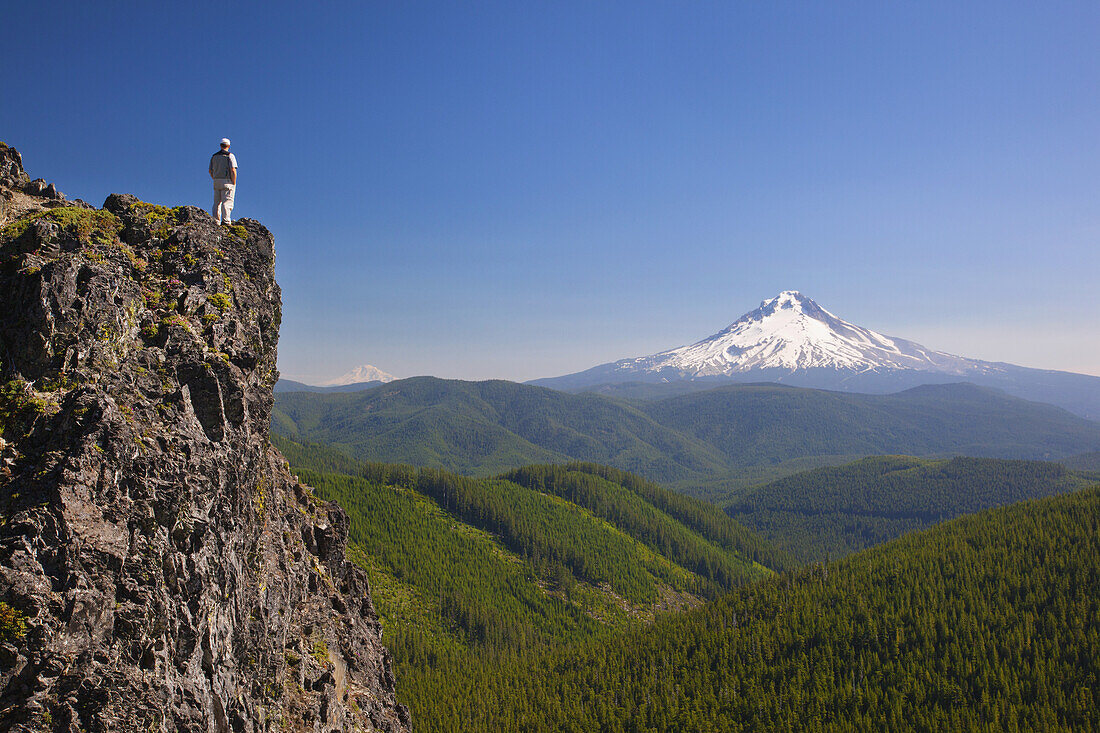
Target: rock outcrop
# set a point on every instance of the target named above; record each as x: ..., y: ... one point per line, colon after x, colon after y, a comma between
x: 160, y: 569
x: 20, y: 195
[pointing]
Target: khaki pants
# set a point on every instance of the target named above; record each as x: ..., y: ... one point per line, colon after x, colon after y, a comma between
x: 223, y: 201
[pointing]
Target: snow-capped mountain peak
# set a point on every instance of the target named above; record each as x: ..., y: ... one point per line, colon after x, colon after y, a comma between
x: 792, y: 340
x: 360, y: 374
x: 792, y: 332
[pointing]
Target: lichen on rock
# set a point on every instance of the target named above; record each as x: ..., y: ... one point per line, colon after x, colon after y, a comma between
x: 160, y: 569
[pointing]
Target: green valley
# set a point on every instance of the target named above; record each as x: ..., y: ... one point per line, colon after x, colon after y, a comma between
x: 988, y: 622
x: 542, y: 557
x: 581, y: 597
x: 833, y: 511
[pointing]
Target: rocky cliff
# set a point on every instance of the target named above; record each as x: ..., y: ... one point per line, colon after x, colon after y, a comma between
x: 160, y: 569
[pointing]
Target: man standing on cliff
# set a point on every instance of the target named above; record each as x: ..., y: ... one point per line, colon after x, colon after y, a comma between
x: 223, y: 169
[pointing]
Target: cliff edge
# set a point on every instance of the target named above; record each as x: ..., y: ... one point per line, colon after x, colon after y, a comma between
x: 160, y: 569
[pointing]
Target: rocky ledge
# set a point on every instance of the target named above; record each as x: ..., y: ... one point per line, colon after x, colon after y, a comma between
x: 160, y: 569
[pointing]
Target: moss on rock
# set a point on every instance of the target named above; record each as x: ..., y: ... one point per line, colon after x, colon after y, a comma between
x: 12, y: 625
x: 162, y: 219
x: 19, y: 406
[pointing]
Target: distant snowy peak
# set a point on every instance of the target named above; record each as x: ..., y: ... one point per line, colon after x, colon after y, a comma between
x: 792, y: 340
x: 360, y: 374
x: 792, y: 332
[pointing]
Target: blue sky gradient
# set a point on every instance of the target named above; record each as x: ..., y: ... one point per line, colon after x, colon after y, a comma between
x: 525, y: 189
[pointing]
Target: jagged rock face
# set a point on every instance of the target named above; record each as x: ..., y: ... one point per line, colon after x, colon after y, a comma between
x: 11, y: 167
x: 19, y: 195
x: 159, y: 567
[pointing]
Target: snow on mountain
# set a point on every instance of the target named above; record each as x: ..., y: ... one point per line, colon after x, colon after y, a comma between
x: 360, y: 374
x: 792, y: 332
x: 792, y: 340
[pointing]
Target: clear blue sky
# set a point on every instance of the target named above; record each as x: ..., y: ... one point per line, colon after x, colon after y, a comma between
x: 525, y: 189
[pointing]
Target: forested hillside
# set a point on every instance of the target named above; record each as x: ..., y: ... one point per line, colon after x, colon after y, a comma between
x: 534, y: 601
x: 989, y: 622
x: 693, y: 440
x: 1083, y: 462
x: 680, y: 527
x: 761, y: 424
x: 482, y: 428
x: 545, y: 556
x: 833, y: 511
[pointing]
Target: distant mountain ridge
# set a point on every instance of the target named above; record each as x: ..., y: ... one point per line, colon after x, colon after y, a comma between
x: 793, y: 340
x: 360, y: 374
x: 480, y: 428
x: 289, y: 385
x: 361, y: 377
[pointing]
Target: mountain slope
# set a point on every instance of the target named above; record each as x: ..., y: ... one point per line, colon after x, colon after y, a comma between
x: 467, y: 569
x: 984, y: 623
x: 792, y: 332
x: 793, y: 340
x: 1083, y: 462
x: 487, y: 427
x: 758, y: 424
x: 833, y: 511
x: 574, y: 517
x: 482, y: 428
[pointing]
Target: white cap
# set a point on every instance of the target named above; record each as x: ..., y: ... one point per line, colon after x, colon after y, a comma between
x: 225, y: 141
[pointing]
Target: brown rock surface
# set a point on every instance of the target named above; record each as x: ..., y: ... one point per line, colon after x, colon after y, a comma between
x: 159, y: 567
